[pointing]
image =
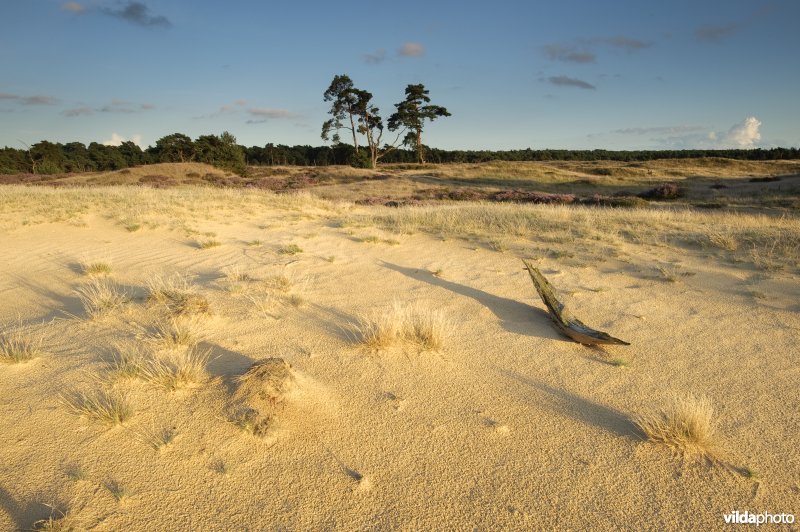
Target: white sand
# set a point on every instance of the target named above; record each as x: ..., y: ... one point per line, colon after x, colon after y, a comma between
x: 509, y: 426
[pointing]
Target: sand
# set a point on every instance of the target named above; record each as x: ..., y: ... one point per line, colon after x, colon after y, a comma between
x: 509, y: 425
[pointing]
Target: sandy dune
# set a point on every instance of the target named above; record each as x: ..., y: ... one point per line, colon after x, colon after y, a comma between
x: 508, y: 426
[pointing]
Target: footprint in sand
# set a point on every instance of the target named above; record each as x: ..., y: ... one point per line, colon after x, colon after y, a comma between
x: 493, y: 424
x: 397, y: 402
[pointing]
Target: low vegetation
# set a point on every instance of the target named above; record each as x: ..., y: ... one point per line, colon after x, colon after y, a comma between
x: 107, y: 406
x: 17, y: 346
x: 686, y: 423
x: 404, y: 324
x: 101, y: 296
x: 177, y: 294
x: 97, y: 268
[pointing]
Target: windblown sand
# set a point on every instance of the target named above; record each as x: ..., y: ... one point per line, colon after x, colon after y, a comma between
x: 509, y: 425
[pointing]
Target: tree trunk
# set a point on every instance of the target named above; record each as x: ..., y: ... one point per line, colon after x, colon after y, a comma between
x: 420, y: 149
x: 353, y: 129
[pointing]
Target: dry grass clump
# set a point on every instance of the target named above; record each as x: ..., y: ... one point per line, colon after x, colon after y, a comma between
x: 281, y: 283
x: 172, y: 370
x: 101, y: 296
x: 685, y: 424
x: 290, y: 249
x: 108, y: 406
x: 208, y: 243
x: 157, y: 438
x: 292, y: 288
x: 235, y: 274
x: 98, y: 268
x: 59, y: 522
x: 176, y: 333
x: 404, y: 323
x: 127, y: 361
x: 176, y: 370
x: 177, y: 294
x: 16, y: 347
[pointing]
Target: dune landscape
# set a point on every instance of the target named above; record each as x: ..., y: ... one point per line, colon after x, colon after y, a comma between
x: 202, y: 357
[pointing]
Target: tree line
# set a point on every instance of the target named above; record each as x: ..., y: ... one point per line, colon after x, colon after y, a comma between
x: 222, y: 151
x: 54, y: 158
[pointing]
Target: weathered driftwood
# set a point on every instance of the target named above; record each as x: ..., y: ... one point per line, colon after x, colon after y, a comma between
x: 563, y: 318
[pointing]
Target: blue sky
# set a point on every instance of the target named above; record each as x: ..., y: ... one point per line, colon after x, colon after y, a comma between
x: 614, y: 74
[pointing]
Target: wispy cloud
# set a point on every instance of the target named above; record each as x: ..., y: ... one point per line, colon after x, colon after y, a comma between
x: 227, y: 109
x: 586, y: 50
x: 137, y: 13
x: 261, y: 115
x: 565, y: 81
x: 567, y: 53
x: 29, y: 100
x: 376, y: 57
x: 411, y: 49
x: 78, y: 111
x: 714, y: 34
x: 116, y: 106
x: 626, y: 43
x: 657, y: 130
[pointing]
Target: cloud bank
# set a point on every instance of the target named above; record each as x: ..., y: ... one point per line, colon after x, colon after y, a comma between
x: 744, y: 135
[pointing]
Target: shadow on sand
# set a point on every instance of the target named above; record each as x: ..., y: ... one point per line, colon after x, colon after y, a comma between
x: 565, y: 403
x: 515, y: 317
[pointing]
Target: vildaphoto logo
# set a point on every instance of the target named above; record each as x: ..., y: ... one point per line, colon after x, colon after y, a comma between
x: 764, y: 518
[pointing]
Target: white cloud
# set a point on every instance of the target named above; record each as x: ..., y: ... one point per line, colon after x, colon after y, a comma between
x: 743, y: 135
x: 117, y: 139
x: 411, y: 49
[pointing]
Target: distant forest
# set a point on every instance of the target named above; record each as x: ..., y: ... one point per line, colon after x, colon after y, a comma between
x: 222, y: 151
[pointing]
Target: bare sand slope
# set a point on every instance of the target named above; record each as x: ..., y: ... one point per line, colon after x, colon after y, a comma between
x: 507, y: 426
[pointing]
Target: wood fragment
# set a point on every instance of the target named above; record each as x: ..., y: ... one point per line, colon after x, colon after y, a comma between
x: 568, y: 324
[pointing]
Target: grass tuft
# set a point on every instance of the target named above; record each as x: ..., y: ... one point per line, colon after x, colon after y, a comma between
x: 177, y: 294
x: 59, y: 522
x: 110, y: 407
x: 404, y: 323
x: 177, y: 370
x: 101, y: 296
x: 685, y: 424
x: 96, y: 268
x: 208, y: 243
x: 290, y: 249
x: 158, y: 439
x: 17, y: 348
x: 177, y: 333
